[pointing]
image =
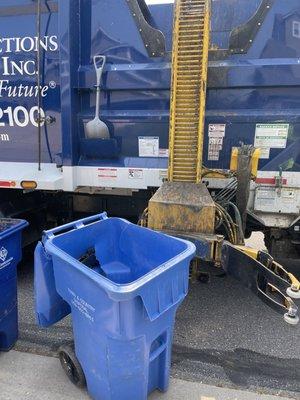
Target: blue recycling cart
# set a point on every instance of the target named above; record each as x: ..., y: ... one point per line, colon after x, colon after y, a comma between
x: 123, y: 284
x: 10, y: 255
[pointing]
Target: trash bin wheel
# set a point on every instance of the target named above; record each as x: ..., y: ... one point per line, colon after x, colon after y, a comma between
x: 71, y: 366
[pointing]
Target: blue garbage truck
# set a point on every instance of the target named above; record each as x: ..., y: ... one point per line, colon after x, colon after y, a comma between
x: 51, y: 170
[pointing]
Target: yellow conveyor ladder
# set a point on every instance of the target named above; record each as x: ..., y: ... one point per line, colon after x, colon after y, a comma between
x: 188, y: 93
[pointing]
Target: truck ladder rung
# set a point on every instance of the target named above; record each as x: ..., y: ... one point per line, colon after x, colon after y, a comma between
x: 190, y: 59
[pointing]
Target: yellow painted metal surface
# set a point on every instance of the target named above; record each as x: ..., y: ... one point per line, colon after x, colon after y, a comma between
x: 253, y: 253
x: 274, y: 267
x: 295, y: 282
x: 255, y: 161
x: 234, y: 159
x: 184, y: 204
x: 182, y: 207
x: 188, y: 93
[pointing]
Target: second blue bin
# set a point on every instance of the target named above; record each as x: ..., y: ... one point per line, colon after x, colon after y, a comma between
x: 123, y: 285
x: 10, y: 255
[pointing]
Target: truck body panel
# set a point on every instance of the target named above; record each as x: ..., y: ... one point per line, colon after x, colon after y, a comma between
x: 253, y: 95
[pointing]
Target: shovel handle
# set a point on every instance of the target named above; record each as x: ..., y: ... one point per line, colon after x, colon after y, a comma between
x: 99, y: 63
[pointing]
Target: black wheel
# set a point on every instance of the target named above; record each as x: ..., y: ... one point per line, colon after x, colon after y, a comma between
x: 71, y: 366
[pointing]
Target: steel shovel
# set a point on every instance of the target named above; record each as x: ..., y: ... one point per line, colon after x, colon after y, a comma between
x: 97, y: 129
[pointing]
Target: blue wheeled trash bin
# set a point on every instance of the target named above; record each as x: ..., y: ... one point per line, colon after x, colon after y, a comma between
x: 123, y: 285
x: 10, y: 255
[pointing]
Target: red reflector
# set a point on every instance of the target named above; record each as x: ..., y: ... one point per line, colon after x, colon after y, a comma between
x: 7, y: 184
x: 269, y: 181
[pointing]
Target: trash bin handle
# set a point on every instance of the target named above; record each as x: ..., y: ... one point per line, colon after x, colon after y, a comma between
x: 73, y: 226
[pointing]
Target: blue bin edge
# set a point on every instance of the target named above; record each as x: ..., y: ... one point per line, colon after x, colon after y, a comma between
x: 18, y: 227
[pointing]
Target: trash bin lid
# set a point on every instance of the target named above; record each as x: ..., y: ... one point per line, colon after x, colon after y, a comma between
x: 8, y: 225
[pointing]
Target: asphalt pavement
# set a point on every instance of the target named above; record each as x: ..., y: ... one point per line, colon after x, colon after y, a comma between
x: 224, y: 336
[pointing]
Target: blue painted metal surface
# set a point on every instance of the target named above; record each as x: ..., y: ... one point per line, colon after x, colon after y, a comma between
x: 123, y: 305
x: 17, y: 47
x: 10, y: 255
x: 260, y: 86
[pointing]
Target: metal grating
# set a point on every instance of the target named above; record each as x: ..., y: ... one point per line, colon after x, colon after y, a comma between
x: 188, y: 93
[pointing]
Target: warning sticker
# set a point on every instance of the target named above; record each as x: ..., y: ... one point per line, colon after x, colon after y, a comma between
x: 216, y: 143
x: 271, y: 136
x: 265, y: 153
x: 164, y: 153
x: 107, y: 173
x: 266, y: 193
x: 148, y: 146
x: 216, y: 134
x: 213, y: 155
x: 216, y: 130
x: 135, y: 173
x: 163, y: 174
